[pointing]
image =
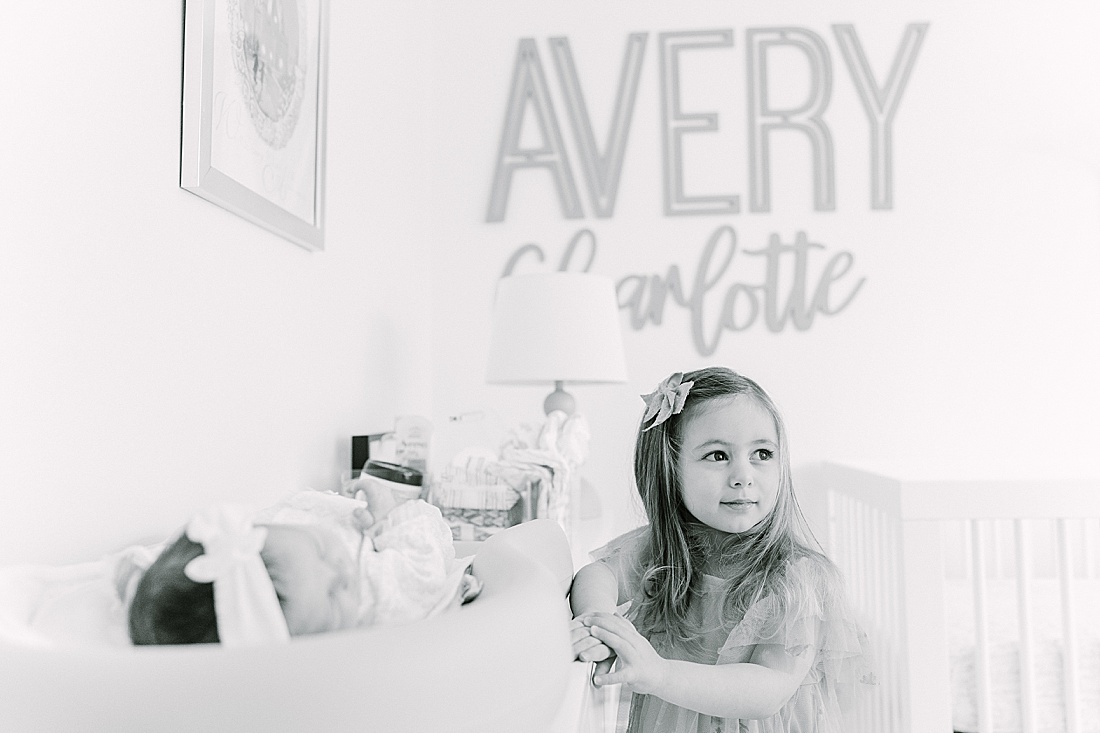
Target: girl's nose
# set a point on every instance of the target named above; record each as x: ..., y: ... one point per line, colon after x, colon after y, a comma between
x: 739, y: 476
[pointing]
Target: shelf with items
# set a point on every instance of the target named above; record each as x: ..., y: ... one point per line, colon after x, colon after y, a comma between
x: 482, y: 490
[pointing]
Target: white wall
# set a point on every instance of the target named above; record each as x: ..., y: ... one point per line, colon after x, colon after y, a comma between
x: 158, y: 352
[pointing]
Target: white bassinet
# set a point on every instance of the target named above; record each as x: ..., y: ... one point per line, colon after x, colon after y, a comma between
x: 981, y: 598
x: 499, y: 664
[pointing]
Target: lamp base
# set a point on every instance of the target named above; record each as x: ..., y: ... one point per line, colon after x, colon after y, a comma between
x: 559, y: 399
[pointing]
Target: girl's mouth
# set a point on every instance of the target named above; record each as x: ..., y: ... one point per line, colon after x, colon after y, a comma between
x: 737, y: 503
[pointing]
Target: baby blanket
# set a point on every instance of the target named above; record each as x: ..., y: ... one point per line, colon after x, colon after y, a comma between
x: 84, y: 603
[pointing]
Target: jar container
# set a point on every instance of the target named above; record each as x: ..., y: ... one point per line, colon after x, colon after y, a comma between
x: 406, y: 483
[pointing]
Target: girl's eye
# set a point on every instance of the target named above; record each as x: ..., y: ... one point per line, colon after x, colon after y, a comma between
x: 716, y: 455
x: 764, y: 454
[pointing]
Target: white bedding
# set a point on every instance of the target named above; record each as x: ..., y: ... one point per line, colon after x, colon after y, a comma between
x: 1004, y: 641
x: 82, y: 604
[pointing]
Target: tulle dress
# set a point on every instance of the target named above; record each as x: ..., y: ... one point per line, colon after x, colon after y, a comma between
x: 840, y: 671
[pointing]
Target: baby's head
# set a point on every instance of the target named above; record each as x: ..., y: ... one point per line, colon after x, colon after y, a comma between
x: 671, y: 409
x: 266, y: 583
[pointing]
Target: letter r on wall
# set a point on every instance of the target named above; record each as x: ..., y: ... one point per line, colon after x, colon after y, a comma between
x: 763, y: 119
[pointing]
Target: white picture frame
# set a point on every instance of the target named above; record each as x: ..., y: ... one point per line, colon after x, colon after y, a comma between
x: 253, y: 111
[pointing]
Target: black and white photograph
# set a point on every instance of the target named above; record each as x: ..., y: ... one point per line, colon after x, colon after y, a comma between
x: 590, y: 366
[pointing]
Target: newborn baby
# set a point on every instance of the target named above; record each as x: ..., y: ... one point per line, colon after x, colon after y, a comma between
x: 314, y: 562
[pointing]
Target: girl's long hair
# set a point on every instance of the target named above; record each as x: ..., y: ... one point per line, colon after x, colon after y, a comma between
x: 680, y: 547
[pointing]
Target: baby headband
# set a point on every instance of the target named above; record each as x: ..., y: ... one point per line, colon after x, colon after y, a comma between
x: 665, y: 401
x: 245, y: 601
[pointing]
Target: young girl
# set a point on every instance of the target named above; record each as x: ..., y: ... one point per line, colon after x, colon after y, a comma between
x: 735, y: 622
x: 313, y: 563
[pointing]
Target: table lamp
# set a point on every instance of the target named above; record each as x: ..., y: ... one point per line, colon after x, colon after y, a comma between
x: 556, y: 327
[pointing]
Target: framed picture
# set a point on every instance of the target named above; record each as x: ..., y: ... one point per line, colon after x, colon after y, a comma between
x: 253, y: 123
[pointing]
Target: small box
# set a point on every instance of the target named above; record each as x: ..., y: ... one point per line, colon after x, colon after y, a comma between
x: 476, y: 511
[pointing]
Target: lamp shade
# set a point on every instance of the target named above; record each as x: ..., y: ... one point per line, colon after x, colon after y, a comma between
x: 556, y: 327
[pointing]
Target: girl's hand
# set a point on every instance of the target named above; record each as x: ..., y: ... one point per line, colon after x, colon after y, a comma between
x: 639, y: 667
x: 586, y: 647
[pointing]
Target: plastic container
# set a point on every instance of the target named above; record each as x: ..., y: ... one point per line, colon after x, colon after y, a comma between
x: 406, y: 483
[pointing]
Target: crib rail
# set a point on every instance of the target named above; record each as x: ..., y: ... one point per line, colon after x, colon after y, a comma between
x: 897, y: 544
x: 864, y: 540
x: 1024, y: 552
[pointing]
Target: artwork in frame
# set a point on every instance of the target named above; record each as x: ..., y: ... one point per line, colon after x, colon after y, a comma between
x: 253, y: 123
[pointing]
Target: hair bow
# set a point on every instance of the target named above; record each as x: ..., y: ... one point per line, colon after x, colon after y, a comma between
x: 667, y: 400
x: 245, y: 602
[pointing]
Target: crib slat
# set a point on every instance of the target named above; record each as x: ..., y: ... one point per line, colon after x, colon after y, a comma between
x: 981, y: 628
x: 998, y: 558
x: 859, y: 551
x: 862, y: 558
x: 879, y: 575
x: 893, y: 630
x: 875, y: 561
x: 1072, y: 689
x: 1027, y: 641
x: 831, y: 498
x: 1091, y: 549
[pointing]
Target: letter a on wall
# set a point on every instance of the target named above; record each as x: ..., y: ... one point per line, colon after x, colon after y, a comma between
x: 529, y: 92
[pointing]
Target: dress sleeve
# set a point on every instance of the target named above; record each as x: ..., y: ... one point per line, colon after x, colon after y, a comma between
x: 817, y: 617
x: 622, y: 556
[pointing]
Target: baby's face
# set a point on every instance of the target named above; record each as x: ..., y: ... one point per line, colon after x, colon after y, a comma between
x: 314, y: 576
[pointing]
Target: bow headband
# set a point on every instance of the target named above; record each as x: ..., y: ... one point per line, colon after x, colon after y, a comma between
x: 245, y: 602
x: 665, y: 401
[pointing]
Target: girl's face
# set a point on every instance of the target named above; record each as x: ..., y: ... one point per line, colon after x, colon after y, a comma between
x: 729, y: 463
x: 314, y: 576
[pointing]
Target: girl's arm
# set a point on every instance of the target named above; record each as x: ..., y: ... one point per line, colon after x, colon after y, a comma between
x: 751, y: 690
x: 595, y: 588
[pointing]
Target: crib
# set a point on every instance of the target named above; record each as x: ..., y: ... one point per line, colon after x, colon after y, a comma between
x: 980, y: 598
x: 502, y: 663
